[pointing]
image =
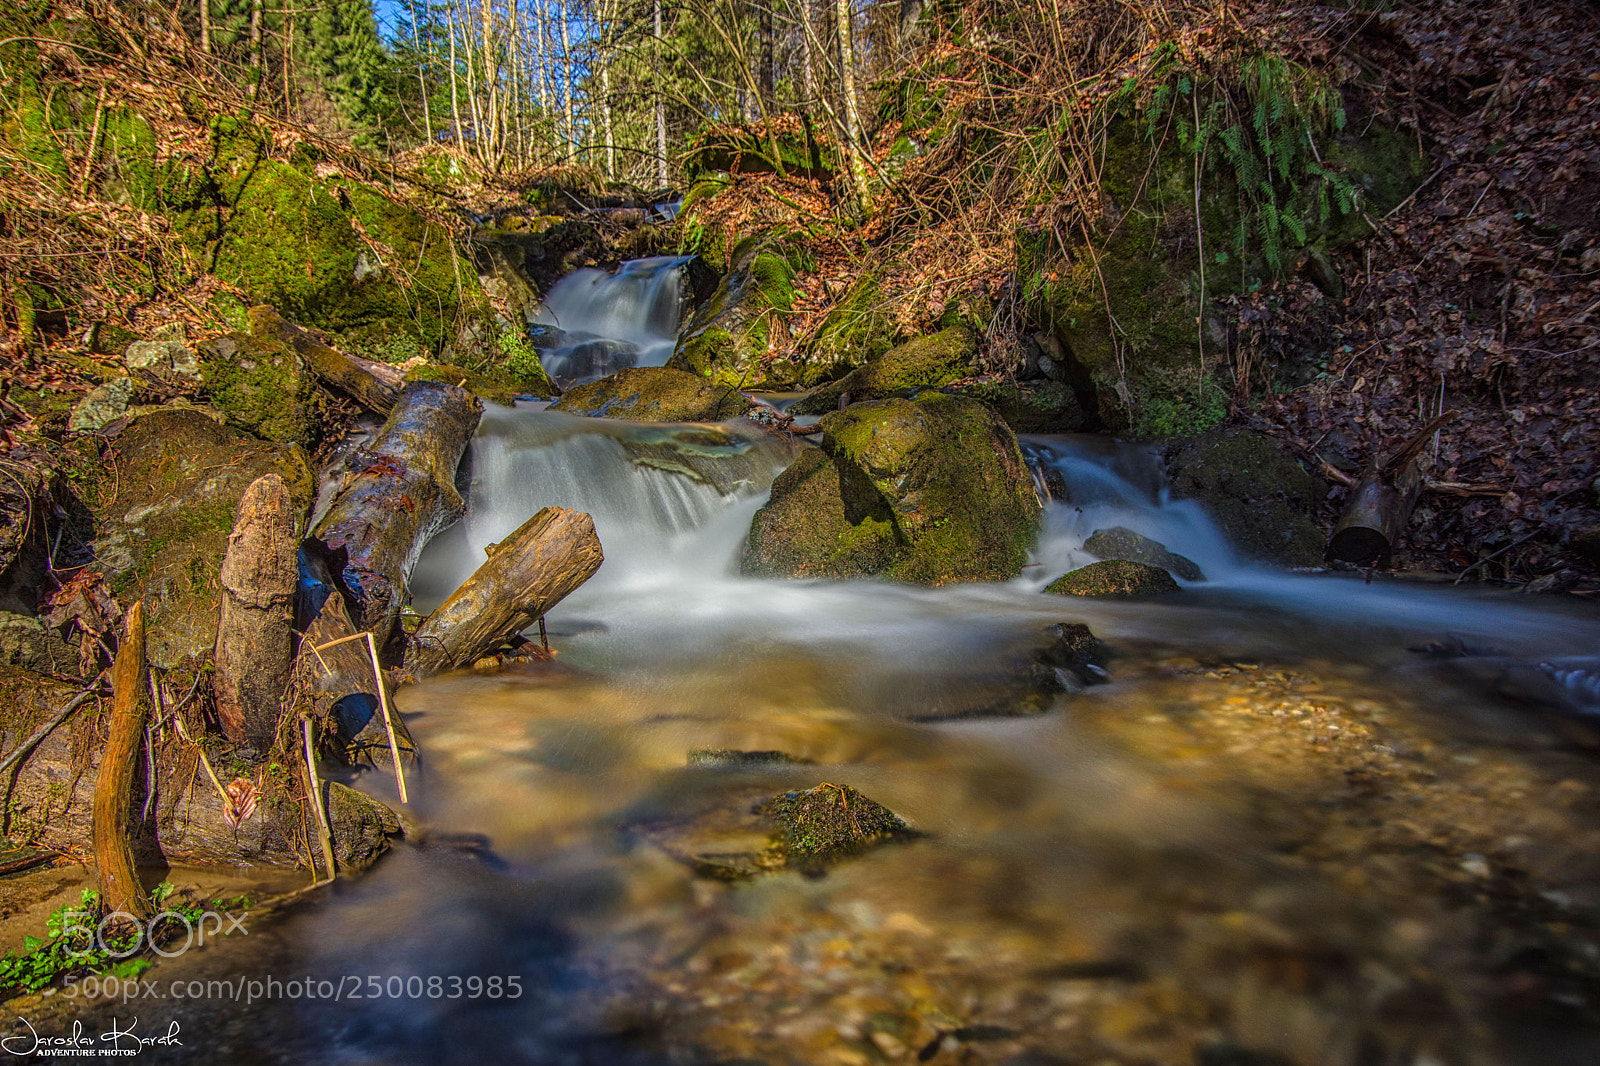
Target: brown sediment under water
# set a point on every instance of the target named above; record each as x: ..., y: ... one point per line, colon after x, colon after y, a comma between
x: 1275, y: 834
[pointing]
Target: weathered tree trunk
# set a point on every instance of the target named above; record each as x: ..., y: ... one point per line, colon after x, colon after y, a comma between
x: 526, y: 574
x: 1381, y: 504
x: 342, y: 689
x: 372, y: 385
x: 255, y: 638
x: 113, y: 792
x: 376, y: 527
x: 852, y: 113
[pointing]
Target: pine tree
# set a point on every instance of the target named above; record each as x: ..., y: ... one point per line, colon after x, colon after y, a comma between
x: 342, y: 59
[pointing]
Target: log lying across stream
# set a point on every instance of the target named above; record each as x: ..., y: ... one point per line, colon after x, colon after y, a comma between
x: 397, y: 495
x: 372, y: 385
x: 526, y: 574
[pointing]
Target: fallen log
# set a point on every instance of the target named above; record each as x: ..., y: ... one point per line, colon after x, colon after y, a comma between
x: 1381, y: 504
x: 526, y: 574
x: 255, y: 640
x: 372, y: 385
x: 113, y: 792
x: 396, y: 496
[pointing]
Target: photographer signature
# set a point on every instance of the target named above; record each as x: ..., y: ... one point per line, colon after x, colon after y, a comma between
x: 117, y: 1039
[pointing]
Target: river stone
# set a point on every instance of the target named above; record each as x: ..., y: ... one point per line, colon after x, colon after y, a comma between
x: 29, y: 643
x: 361, y: 827
x: 1114, y: 579
x: 946, y: 356
x: 1119, y: 542
x: 931, y: 491
x: 103, y: 406
x: 653, y: 394
x: 1255, y: 489
x: 741, y: 834
x: 164, y: 505
x: 1029, y: 406
x: 1064, y: 658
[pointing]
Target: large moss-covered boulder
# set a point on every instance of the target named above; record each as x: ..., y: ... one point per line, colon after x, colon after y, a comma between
x: 856, y: 330
x: 654, y: 394
x: 946, y: 356
x: 931, y: 490
x: 1114, y: 579
x: 728, y: 338
x: 164, y: 504
x: 1028, y: 406
x: 1255, y: 489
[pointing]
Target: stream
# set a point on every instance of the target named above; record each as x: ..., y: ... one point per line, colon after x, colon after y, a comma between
x: 1275, y: 836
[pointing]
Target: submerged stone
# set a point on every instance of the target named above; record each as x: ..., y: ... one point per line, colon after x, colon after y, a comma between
x: 731, y: 759
x: 654, y: 394
x: 1255, y: 489
x: 930, y: 361
x: 931, y: 491
x: 1119, y: 542
x: 1114, y: 579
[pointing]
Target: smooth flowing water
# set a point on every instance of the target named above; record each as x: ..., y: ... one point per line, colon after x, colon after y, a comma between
x: 610, y: 322
x: 1276, y: 836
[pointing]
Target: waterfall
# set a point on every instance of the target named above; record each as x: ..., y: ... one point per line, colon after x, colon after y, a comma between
x: 609, y: 322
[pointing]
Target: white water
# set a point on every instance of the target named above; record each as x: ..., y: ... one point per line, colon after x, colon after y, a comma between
x: 614, y: 321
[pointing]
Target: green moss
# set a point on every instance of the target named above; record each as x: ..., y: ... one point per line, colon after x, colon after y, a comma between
x: 829, y: 822
x: 654, y: 394
x: 728, y: 337
x: 855, y: 331
x: 1114, y: 579
x: 924, y: 362
x: 258, y: 382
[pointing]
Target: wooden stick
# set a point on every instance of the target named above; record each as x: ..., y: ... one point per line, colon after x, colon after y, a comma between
x: 113, y: 829
x: 324, y: 832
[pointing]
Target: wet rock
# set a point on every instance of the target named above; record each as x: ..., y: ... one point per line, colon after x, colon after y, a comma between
x: 1255, y: 489
x: 165, y: 503
x: 361, y: 827
x: 929, y: 361
x: 1114, y: 579
x: 654, y: 394
x: 730, y: 759
x: 30, y: 644
x: 103, y: 406
x: 929, y: 491
x: 1072, y: 648
x: 1121, y: 543
x: 751, y: 832
x: 727, y: 336
x: 728, y: 462
x: 1067, y: 658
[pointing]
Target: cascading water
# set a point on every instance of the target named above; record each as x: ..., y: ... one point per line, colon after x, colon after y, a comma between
x: 610, y: 322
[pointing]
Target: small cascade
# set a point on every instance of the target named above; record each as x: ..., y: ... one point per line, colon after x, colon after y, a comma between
x: 1093, y: 484
x: 609, y: 322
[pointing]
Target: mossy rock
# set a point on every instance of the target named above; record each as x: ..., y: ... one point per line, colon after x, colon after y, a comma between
x: 1028, y: 406
x: 1119, y: 542
x: 728, y: 338
x: 361, y: 827
x: 1255, y: 489
x: 939, y: 359
x: 164, y: 502
x: 654, y: 394
x: 497, y: 384
x: 1114, y: 579
x: 746, y: 832
x: 931, y: 491
x: 733, y: 759
x: 260, y: 384
x: 29, y: 643
x: 855, y: 331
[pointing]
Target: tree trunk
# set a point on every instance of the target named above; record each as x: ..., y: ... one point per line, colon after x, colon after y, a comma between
x: 388, y: 509
x: 769, y: 65
x: 372, y: 385
x: 1381, y: 504
x: 205, y: 26
x: 566, y: 80
x: 422, y: 84
x: 526, y: 574
x: 255, y: 638
x: 455, y: 97
x: 852, y: 115
x: 113, y: 791
x: 661, y: 109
